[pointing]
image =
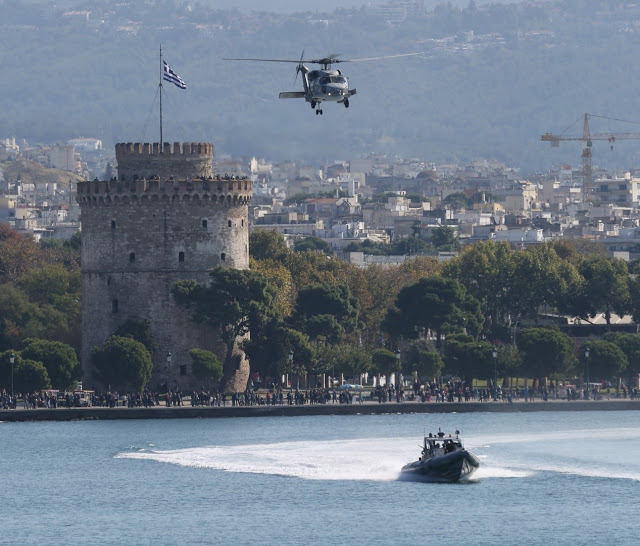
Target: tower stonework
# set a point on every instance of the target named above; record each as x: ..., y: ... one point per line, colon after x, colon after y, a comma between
x: 165, y: 218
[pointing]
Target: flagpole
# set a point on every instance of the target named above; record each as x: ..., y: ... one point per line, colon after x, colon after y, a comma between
x: 160, y: 88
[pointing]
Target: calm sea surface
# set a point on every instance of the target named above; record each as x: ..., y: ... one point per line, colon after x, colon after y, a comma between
x: 546, y: 478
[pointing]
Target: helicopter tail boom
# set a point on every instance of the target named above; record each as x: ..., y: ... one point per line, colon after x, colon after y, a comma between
x: 292, y: 95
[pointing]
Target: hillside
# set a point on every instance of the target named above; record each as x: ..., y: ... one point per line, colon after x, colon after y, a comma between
x: 492, y: 78
x: 32, y: 172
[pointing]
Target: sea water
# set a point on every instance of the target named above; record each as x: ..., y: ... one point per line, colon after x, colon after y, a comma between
x: 545, y: 478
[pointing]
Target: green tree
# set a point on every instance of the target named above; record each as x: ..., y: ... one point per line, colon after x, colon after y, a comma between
x: 433, y: 303
x: 384, y: 362
x: 51, y: 283
x: 30, y: 376
x: 313, y: 244
x: 485, y: 270
x: 380, y: 287
x: 606, y: 288
x: 605, y: 361
x: 122, y: 363
x: 20, y: 319
x: 59, y: 359
x: 205, y: 365
x: 350, y: 359
x: 74, y: 242
x: 545, y: 352
x: 325, y: 310
x: 410, y: 246
x: 444, y: 238
x: 301, y: 351
x: 468, y: 358
x: 267, y: 245
x: 457, y: 201
x: 429, y: 366
x: 539, y: 278
x: 279, y: 277
x: 18, y: 255
x: 235, y: 302
x: 140, y: 330
x: 268, y: 347
x: 630, y: 345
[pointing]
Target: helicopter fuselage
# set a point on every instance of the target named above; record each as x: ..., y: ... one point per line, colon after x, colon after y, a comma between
x: 326, y: 85
x: 323, y: 85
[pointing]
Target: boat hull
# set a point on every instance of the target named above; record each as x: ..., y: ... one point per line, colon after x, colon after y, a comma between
x: 452, y: 467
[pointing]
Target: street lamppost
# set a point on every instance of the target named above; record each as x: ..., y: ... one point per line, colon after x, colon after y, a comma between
x: 494, y: 352
x: 168, y: 368
x: 290, y: 370
x: 12, y: 359
x: 586, y: 356
x: 398, y: 355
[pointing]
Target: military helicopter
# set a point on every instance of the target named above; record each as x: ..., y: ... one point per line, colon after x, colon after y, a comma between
x: 324, y: 84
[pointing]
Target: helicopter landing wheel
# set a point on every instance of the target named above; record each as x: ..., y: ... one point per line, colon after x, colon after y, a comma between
x: 313, y: 104
x: 346, y: 103
x: 318, y: 111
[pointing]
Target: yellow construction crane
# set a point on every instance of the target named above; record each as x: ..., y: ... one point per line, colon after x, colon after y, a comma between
x: 587, y: 142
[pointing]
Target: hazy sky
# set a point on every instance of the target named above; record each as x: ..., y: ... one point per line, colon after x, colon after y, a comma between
x: 285, y: 6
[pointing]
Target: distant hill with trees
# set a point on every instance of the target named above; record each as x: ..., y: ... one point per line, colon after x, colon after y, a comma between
x: 31, y: 171
x: 491, y: 80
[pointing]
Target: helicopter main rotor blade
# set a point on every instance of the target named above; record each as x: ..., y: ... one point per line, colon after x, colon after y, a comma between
x: 380, y: 58
x: 298, y: 68
x: 264, y: 60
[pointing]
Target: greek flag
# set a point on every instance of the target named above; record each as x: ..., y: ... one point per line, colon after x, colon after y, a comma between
x: 172, y: 77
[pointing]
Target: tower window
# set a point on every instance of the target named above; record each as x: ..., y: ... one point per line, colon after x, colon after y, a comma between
x: 114, y: 305
x: 229, y: 223
x: 223, y: 257
x: 181, y: 256
x: 183, y: 370
x: 204, y: 223
x: 132, y: 257
x: 113, y: 224
x: 242, y: 222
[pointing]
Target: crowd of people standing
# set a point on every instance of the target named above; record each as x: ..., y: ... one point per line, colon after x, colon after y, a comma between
x: 450, y: 392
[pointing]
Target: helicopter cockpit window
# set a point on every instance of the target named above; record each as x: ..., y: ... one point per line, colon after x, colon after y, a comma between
x: 332, y: 79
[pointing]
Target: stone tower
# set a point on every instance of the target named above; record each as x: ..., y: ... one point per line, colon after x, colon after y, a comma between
x: 165, y: 218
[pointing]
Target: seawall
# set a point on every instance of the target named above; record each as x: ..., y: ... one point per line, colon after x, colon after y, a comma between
x: 368, y: 408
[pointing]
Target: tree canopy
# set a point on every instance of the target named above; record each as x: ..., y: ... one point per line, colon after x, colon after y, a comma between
x: 435, y: 304
x: 205, y: 365
x: 546, y: 352
x: 122, y: 363
x: 234, y: 302
x: 59, y: 359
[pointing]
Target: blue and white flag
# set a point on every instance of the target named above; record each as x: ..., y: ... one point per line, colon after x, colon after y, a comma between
x: 172, y: 77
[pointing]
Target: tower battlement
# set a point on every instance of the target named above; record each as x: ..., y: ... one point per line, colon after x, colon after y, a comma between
x: 134, y: 149
x: 230, y: 191
x: 146, y: 160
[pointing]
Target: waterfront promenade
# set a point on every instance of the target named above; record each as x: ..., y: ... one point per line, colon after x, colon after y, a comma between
x: 365, y: 408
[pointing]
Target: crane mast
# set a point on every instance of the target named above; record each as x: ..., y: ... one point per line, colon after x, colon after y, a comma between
x: 587, y: 142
